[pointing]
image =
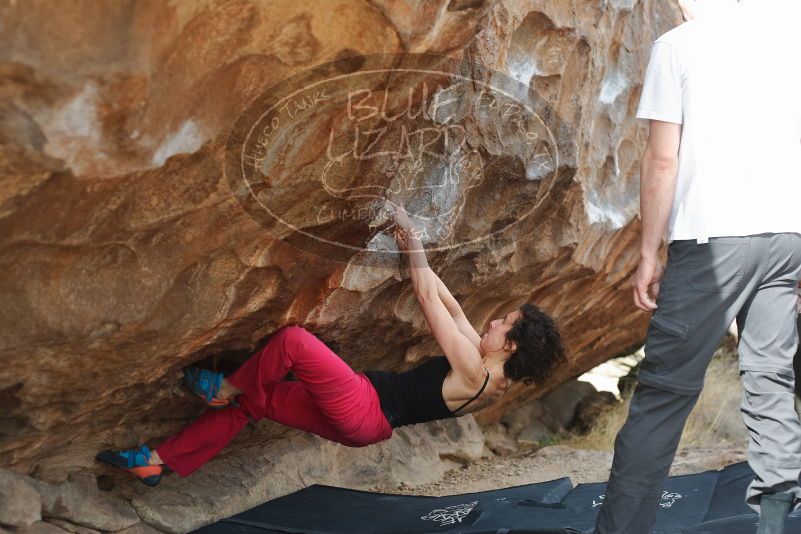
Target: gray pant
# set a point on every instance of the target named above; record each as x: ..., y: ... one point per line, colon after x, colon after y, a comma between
x: 704, y: 288
x: 797, y: 367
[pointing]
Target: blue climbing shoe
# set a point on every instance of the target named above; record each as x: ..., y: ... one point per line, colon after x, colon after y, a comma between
x: 136, y: 461
x: 206, y: 384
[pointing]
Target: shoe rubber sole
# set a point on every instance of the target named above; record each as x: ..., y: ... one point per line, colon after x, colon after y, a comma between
x: 148, y: 474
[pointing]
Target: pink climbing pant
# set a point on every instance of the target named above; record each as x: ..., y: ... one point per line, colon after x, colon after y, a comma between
x: 328, y: 399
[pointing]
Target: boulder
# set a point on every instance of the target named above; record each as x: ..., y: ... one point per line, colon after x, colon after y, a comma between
x: 534, y: 434
x: 20, y: 503
x: 529, y: 414
x: 79, y: 501
x: 561, y: 402
x: 42, y: 527
x: 133, y: 244
x: 130, y: 251
x: 589, y: 409
x: 139, y: 528
x: 72, y: 527
x: 499, y: 441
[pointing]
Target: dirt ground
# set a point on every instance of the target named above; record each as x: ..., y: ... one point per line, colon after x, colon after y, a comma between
x: 557, y: 461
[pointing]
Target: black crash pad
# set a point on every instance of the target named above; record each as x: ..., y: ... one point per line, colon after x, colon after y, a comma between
x: 705, y: 503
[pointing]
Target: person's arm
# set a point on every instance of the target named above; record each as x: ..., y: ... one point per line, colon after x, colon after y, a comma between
x: 662, y: 103
x: 657, y: 188
x: 456, y: 312
x: 462, y: 353
x: 660, y: 163
x: 463, y: 356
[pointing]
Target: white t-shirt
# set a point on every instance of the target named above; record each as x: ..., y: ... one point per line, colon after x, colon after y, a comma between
x: 733, y: 81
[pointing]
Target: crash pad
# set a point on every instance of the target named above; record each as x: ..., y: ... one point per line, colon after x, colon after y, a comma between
x: 705, y: 503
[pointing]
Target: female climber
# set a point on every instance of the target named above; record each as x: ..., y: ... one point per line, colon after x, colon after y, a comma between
x: 357, y: 409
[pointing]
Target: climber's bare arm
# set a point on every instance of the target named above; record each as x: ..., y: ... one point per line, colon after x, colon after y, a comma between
x: 456, y: 312
x: 462, y: 353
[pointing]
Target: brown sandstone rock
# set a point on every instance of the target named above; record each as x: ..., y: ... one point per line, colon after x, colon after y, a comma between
x: 42, y: 527
x: 79, y: 501
x: 72, y: 527
x: 125, y: 255
x: 562, y: 401
x: 139, y: 528
x: 498, y: 441
x: 20, y: 504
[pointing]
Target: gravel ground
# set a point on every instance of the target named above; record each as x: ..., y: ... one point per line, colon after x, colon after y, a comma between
x: 557, y: 461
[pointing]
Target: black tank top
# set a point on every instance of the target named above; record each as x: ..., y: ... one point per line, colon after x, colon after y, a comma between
x: 415, y: 396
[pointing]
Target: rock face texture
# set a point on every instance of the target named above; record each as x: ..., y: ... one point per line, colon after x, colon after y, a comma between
x: 126, y: 253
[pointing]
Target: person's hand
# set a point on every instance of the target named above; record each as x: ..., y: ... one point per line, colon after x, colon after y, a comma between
x: 648, y: 276
x: 401, y: 239
x: 402, y: 219
x: 408, y: 241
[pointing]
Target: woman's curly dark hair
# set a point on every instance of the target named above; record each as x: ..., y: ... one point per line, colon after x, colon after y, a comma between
x: 539, y: 346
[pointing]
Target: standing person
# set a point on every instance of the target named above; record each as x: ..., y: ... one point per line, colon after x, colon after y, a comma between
x: 722, y: 172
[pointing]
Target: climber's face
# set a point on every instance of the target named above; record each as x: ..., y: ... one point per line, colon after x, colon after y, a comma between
x: 494, y: 338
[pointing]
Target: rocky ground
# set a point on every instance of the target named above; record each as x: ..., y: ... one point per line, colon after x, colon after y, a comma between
x: 557, y: 461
